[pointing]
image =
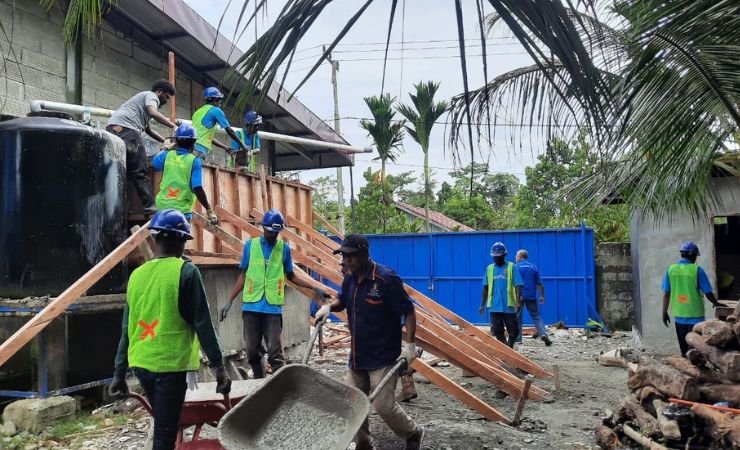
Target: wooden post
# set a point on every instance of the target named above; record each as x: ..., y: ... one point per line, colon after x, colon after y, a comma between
x: 263, y: 187
x: 642, y: 440
x: 173, y: 75
x: 59, y: 304
x: 556, y: 377
x: 522, y: 400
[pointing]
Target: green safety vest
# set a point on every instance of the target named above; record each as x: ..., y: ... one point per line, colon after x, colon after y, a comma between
x: 159, y: 338
x: 205, y: 134
x: 265, y: 278
x: 242, y: 135
x: 511, y: 297
x: 686, y: 300
x: 174, y: 189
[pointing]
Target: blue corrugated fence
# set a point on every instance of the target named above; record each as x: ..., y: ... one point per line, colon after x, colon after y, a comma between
x: 449, y: 267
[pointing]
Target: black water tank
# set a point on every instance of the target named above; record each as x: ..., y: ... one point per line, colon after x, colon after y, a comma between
x: 62, y: 205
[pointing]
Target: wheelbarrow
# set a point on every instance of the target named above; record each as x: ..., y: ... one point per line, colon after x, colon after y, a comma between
x: 299, y: 408
x: 203, y: 406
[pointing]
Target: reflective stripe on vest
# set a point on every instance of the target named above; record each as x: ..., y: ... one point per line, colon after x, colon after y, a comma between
x: 265, y: 278
x: 686, y: 299
x: 159, y: 338
x: 510, y: 291
x: 205, y: 134
x: 174, y: 189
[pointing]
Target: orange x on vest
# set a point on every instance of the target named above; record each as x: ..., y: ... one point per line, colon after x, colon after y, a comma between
x: 148, y: 329
x: 683, y: 299
x: 172, y: 193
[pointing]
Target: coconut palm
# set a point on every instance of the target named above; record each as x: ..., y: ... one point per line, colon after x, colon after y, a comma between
x: 385, y: 131
x: 662, y: 121
x: 422, y: 116
x: 671, y: 120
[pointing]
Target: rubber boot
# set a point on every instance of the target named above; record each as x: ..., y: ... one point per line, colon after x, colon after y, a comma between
x: 408, y: 390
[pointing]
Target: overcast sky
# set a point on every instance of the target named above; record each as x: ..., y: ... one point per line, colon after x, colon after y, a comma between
x: 429, y: 36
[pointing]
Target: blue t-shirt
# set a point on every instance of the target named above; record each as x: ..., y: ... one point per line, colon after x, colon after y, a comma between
x: 214, y: 116
x: 252, y: 142
x: 375, y: 307
x: 499, y: 302
x: 196, y: 175
x: 703, y: 284
x: 531, y: 278
x: 263, y: 306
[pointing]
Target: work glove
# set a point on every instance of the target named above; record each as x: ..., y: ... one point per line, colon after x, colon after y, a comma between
x: 409, y: 353
x: 322, y: 313
x: 212, y: 217
x: 178, y: 122
x: 118, y: 387
x: 481, y: 310
x: 542, y: 300
x: 223, y: 382
x: 224, y: 311
x: 321, y: 292
x: 666, y: 319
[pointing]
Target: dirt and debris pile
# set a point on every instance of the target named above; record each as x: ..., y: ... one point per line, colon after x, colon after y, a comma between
x: 682, y: 402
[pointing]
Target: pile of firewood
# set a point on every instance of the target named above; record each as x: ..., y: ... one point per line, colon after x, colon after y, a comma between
x: 683, y: 402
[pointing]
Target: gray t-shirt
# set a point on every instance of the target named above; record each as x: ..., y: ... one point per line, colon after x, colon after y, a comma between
x: 133, y: 114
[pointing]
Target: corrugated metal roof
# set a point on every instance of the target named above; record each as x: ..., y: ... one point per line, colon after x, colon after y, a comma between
x: 435, y: 217
x: 206, y: 55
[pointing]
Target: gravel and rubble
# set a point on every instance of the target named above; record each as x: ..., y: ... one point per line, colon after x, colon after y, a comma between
x: 564, y: 421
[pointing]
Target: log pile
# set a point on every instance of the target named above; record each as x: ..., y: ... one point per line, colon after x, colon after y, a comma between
x: 681, y: 402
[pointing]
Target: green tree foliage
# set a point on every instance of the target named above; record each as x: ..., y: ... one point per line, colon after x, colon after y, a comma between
x: 324, y: 199
x: 421, y: 117
x: 376, y: 211
x: 541, y: 203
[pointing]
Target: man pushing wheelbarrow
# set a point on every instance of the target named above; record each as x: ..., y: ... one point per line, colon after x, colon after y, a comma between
x: 376, y: 301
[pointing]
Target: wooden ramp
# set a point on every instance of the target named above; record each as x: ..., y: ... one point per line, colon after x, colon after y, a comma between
x: 241, y: 199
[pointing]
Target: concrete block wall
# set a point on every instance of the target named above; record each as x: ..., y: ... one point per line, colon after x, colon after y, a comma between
x: 614, y: 287
x: 33, y: 58
x: 655, y: 244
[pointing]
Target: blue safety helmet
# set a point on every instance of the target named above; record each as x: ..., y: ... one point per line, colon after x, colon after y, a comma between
x: 212, y: 92
x: 170, y: 221
x: 252, y: 118
x: 273, y: 220
x: 498, y: 249
x: 690, y: 248
x: 186, y: 131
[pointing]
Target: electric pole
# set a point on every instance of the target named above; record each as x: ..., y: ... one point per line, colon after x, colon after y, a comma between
x: 340, y: 186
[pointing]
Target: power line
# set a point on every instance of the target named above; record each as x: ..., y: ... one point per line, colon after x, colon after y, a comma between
x: 424, y: 41
x: 391, y: 163
x: 493, y: 124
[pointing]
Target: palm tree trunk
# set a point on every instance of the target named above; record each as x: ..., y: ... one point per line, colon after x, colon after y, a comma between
x: 426, y: 189
x: 382, y: 189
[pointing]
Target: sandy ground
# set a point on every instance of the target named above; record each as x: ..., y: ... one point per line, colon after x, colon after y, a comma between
x: 566, y: 421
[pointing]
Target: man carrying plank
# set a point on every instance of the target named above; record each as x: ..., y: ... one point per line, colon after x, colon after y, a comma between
x: 376, y: 301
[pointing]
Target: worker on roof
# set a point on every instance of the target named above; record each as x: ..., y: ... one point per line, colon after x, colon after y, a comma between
x: 501, y: 296
x: 683, y: 286
x: 128, y: 122
x: 251, y: 139
x: 205, y: 120
x: 376, y: 303
x: 182, y: 179
x: 265, y: 268
x: 165, y: 323
x: 531, y: 284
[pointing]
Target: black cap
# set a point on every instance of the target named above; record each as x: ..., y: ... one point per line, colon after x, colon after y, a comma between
x: 353, y: 243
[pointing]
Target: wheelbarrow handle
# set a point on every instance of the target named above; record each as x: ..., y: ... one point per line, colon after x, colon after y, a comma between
x: 143, y: 400
x: 312, y: 339
x: 400, y: 363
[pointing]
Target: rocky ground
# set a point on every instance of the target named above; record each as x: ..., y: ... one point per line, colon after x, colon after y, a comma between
x: 566, y: 421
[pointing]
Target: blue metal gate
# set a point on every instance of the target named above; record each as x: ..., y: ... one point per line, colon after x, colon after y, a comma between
x: 449, y: 267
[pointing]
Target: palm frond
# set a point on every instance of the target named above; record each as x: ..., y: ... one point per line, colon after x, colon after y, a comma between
x: 82, y: 16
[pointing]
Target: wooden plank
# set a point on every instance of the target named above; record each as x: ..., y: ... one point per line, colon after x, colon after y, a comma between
x: 58, y: 305
x: 314, y: 235
x: 328, y: 225
x: 144, y: 248
x: 458, y: 392
x: 503, y: 352
x: 301, y: 243
x: 522, y: 400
